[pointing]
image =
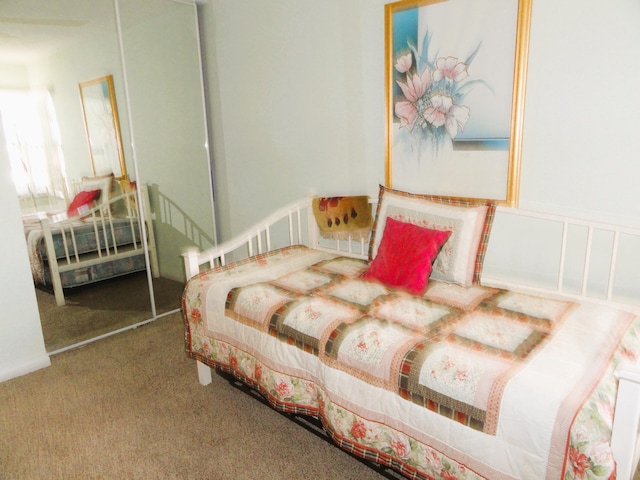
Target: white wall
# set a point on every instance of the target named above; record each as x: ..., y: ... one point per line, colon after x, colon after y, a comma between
x: 297, y: 93
x: 22, y: 347
x: 297, y: 96
x: 296, y: 101
x: 581, y: 150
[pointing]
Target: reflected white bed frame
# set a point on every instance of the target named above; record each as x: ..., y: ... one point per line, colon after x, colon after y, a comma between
x: 101, y: 218
x: 295, y: 225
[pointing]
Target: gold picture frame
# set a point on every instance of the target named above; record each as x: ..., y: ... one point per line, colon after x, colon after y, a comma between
x: 100, y: 114
x: 455, y: 79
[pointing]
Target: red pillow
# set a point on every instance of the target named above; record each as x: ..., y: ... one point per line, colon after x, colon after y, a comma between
x: 405, y: 256
x: 82, y: 199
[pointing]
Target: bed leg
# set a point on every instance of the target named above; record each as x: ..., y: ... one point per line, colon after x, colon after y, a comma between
x: 624, y: 437
x: 204, y: 374
x: 54, y: 270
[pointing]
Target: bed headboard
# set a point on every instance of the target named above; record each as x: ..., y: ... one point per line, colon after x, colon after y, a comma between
x: 528, y: 251
x: 572, y: 257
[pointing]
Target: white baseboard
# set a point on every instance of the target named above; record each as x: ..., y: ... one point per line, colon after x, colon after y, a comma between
x: 25, y: 368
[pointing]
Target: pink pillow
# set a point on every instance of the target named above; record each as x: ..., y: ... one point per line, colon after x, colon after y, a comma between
x: 405, y: 256
x: 82, y: 199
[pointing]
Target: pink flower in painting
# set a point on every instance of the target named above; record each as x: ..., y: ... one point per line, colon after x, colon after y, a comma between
x: 443, y: 112
x: 431, y: 105
x: 416, y: 85
x: 450, y: 68
x: 407, y: 113
x: 358, y: 429
x: 403, y: 64
x: 579, y: 462
x: 284, y: 388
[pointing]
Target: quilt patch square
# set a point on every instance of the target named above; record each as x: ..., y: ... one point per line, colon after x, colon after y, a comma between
x: 545, y: 313
x: 303, y: 321
x: 370, y: 348
x: 411, y: 312
x: 357, y: 291
x: 498, y: 333
x: 302, y: 281
x: 255, y: 304
x: 348, y: 267
x: 453, y: 381
x: 457, y: 296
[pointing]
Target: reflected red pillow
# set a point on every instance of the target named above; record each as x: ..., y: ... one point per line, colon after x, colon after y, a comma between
x: 405, y: 256
x: 82, y: 202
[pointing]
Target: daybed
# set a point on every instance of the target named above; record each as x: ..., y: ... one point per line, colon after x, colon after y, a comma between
x: 453, y: 377
x: 98, y: 237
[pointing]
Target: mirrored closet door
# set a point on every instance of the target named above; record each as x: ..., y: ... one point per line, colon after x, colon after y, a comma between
x: 150, y: 51
x: 163, y: 75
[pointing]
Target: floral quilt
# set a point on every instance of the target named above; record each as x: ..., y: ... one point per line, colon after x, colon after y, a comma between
x: 459, y: 383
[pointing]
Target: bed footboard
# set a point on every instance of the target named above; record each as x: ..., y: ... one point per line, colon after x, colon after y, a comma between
x: 102, y: 224
x: 626, y: 423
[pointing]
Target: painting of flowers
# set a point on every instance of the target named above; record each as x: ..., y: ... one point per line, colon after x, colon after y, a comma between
x: 450, y: 84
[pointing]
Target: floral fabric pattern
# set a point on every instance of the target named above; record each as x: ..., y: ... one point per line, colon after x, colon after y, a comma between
x: 460, y: 354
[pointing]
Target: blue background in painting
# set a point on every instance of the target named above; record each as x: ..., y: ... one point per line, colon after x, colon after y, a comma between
x: 405, y: 30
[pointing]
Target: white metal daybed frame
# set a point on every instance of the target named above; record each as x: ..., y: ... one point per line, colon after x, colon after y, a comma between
x: 295, y: 225
x: 101, y: 218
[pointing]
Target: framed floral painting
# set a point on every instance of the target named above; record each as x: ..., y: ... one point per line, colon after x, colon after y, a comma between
x: 455, y: 83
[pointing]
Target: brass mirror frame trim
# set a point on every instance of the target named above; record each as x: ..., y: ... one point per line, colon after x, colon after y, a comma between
x: 517, y: 100
x: 116, y: 122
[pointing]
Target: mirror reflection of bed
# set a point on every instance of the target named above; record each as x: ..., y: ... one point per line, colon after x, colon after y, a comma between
x: 168, y: 163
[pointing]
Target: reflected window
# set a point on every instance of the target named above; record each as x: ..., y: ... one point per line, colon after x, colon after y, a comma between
x: 33, y: 143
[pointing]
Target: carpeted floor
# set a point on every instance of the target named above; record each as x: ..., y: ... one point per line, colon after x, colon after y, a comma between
x: 104, y: 307
x: 130, y: 407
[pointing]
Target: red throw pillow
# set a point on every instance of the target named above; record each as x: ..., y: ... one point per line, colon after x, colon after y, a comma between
x: 405, y: 256
x: 82, y: 199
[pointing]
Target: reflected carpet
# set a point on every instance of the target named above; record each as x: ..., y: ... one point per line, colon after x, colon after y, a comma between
x: 103, y: 307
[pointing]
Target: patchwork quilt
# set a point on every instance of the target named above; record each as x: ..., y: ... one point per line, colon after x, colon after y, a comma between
x: 459, y: 383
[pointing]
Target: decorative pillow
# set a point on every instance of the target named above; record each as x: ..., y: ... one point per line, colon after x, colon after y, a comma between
x: 460, y: 260
x: 105, y: 183
x: 82, y: 202
x: 405, y: 255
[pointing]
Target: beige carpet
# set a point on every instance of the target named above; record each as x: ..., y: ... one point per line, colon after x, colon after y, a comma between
x: 130, y: 407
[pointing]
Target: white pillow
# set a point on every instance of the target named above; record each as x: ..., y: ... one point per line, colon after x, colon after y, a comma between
x: 460, y: 259
x: 104, y: 184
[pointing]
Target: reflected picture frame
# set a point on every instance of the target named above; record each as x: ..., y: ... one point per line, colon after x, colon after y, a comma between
x: 455, y: 81
x: 102, y: 126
